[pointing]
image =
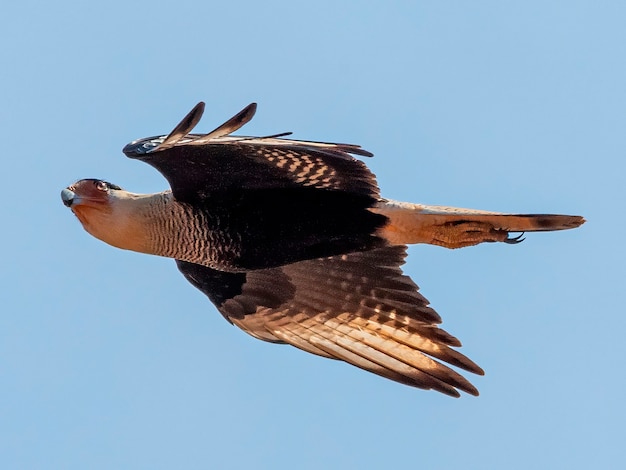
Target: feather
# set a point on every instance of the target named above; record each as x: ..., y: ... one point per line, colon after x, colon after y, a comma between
x: 183, y: 128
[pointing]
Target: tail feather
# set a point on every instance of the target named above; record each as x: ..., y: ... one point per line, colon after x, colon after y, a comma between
x: 453, y: 227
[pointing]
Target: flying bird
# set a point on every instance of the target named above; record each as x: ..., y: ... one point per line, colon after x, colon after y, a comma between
x: 293, y: 243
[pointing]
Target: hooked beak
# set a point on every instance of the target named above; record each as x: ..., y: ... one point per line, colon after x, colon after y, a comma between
x: 68, y: 196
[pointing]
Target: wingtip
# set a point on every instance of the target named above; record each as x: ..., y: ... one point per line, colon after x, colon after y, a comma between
x: 246, y: 114
x: 236, y: 122
x: 184, y: 127
x: 192, y: 118
x: 199, y: 108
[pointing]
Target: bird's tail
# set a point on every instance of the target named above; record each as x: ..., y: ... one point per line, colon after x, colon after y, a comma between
x: 453, y: 227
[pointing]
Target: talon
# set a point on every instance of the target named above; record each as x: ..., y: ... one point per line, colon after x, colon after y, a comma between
x: 515, y: 240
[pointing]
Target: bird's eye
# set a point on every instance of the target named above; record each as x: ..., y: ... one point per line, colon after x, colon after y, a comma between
x: 102, y: 186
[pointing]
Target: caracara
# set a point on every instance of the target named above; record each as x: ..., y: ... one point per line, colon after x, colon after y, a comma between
x: 293, y: 243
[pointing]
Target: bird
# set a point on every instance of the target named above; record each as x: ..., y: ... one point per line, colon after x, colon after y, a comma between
x: 293, y: 243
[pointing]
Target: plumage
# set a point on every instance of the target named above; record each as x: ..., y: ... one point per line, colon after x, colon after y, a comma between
x: 293, y: 243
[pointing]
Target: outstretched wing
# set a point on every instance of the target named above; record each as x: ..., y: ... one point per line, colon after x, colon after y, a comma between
x: 356, y: 307
x: 197, y: 165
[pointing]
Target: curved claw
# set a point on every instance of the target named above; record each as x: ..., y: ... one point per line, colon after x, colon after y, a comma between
x: 515, y: 240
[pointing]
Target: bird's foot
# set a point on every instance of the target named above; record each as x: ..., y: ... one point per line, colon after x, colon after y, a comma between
x: 460, y: 234
x: 515, y: 240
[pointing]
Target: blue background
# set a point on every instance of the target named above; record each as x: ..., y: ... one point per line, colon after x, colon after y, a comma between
x: 110, y: 359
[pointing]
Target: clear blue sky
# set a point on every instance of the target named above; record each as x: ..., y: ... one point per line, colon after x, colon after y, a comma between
x: 110, y: 359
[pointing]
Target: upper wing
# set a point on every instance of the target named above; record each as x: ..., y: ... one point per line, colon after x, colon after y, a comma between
x: 196, y: 165
x: 357, y: 307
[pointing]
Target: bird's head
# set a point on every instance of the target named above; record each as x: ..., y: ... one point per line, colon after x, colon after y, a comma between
x: 88, y: 196
x: 105, y: 210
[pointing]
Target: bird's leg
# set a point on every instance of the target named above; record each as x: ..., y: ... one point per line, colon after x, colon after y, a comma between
x: 459, y: 234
